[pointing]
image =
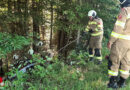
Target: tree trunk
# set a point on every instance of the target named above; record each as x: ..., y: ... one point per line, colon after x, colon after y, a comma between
x: 78, y: 34
x: 51, y: 25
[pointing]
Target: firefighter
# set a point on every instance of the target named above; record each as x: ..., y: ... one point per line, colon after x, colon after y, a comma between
x: 95, y: 28
x: 119, y: 45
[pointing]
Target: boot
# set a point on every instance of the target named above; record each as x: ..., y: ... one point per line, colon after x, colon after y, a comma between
x: 91, y: 59
x: 113, y: 82
x: 121, y: 83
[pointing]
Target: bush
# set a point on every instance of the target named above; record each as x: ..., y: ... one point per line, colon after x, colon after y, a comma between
x: 9, y: 42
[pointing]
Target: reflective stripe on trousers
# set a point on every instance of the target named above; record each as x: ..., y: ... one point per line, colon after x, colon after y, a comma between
x: 99, y: 58
x: 124, y: 72
x: 91, y: 55
x: 112, y: 73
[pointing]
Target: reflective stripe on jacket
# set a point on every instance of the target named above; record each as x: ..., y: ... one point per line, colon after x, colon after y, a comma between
x: 120, y: 36
x: 96, y: 26
x: 122, y: 26
x: 97, y: 33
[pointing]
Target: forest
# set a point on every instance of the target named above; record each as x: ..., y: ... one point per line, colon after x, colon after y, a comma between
x: 49, y: 36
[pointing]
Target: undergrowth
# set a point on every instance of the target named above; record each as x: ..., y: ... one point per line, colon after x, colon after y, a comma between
x: 54, y: 74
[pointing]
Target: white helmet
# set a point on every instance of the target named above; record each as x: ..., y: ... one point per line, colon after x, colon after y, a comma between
x: 92, y: 13
x: 40, y: 43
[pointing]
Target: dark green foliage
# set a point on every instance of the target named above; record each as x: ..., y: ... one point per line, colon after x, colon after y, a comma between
x: 74, y: 15
x: 9, y: 42
x: 108, y: 11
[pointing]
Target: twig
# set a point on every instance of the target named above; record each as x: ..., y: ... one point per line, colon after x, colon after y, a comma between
x: 67, y: 45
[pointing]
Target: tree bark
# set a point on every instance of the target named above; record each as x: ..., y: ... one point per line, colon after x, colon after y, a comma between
x: 78, y: 34
x: 51, y: 25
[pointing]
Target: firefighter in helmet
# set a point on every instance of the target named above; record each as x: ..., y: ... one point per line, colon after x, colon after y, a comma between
x: 119, y: 45
x: 95, y: 28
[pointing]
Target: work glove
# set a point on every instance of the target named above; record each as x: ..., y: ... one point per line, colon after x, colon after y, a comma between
x: 109, y: 45
x: 84, y: 33
x: 90, y: 31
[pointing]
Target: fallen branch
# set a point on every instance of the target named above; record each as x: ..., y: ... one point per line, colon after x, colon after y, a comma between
x: 67, y: 45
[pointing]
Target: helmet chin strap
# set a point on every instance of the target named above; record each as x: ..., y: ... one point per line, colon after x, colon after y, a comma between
x: 123, y: 2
